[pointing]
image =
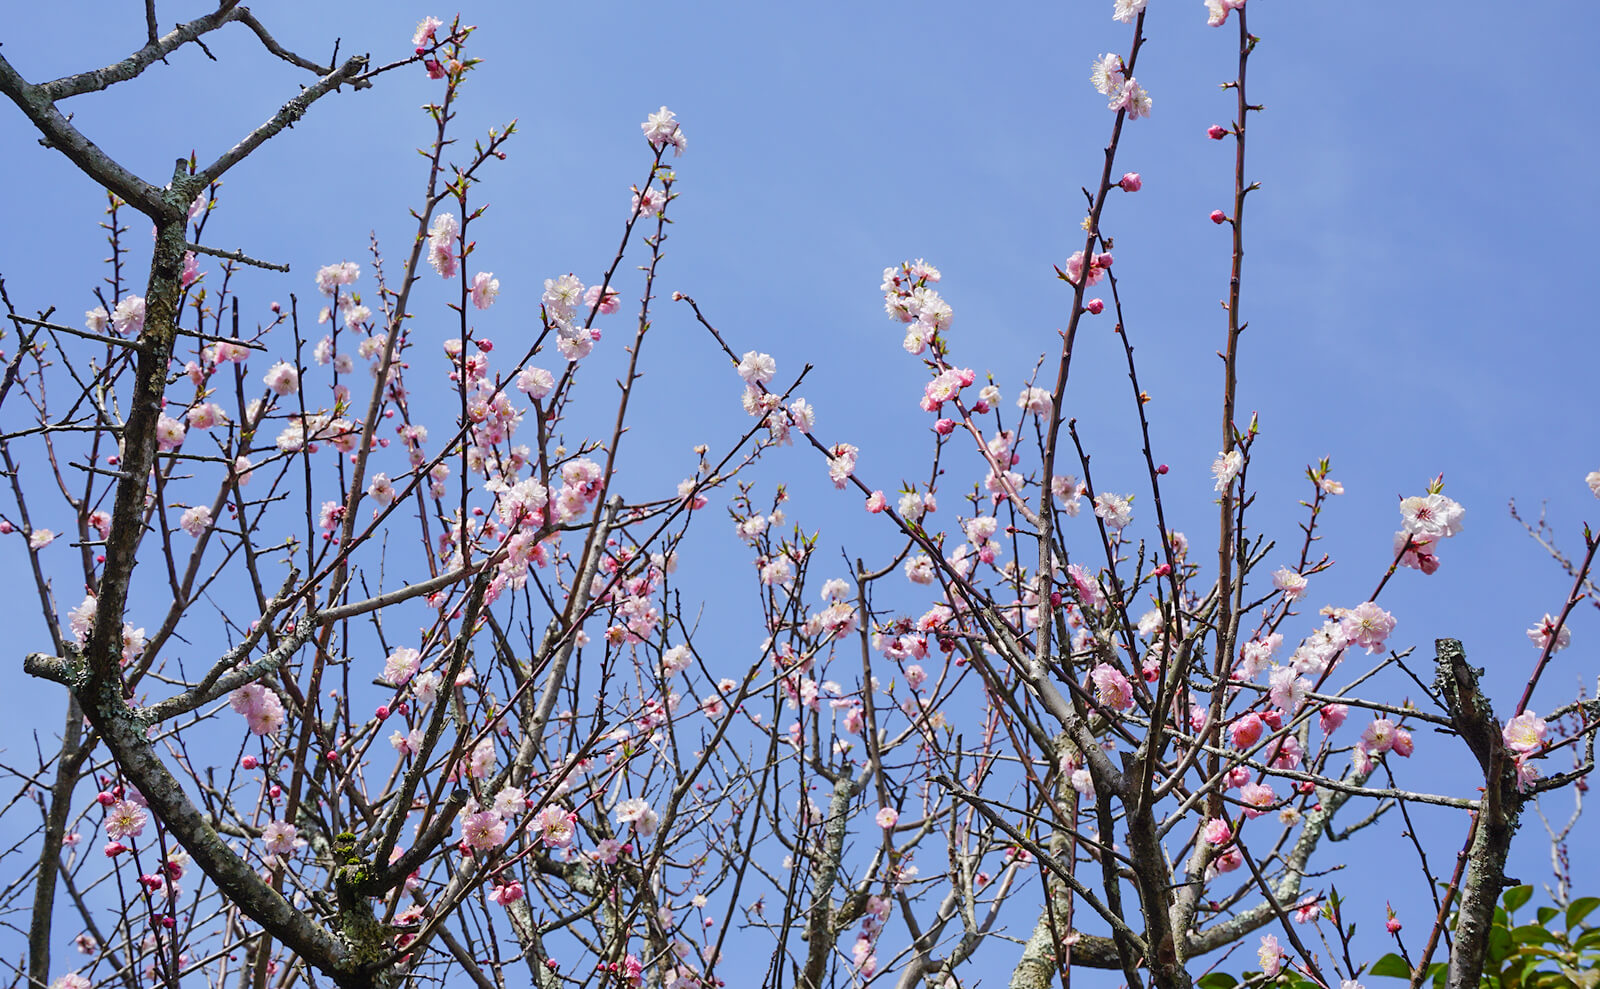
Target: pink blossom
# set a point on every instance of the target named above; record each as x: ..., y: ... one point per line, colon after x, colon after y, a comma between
x: 279, y: 838
x: 125, y: 818
x: 1271, y: 956
x: 40, y: 538
x: 876, y: 502
x: 1257, y: 797
x: 661, y: 129
x: 282, y: 379
x: 841, y: 463
x: 425, y: 32
x: 1116, y: 511
x: 1332, y: 716
x: 72, y: 980
x: 1217, y: 832
x: 485, y: 287
x: 1292, y: 584
x: 1542, y: 633
x: 196, y: 521
x: 1289, y: 688
x: 1126, y: 10
x: 1073, y: 271
x: 556, y: 826
x: 128, y: 316
x: 612, y: 299
x: 1367, y: 625
x: 1247, y: 730
x: 1431, y: 515
x: 506, y: 894
x: 1112, y: 689
x: 887, y: 817
x: 1525, y: 733
x: 1378, y: 737
x: 170, y: 433
x: 483, y: 830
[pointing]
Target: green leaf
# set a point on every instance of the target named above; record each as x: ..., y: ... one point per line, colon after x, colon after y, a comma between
x: 1516, y: 896
x: 1580, y: 909
x: 1531, y: 933
x: 1547, y: 914
x: 1391, y: 965
x: 1217, y: 980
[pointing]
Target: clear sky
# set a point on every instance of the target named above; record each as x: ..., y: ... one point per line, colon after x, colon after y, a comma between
x: 1419, y: 273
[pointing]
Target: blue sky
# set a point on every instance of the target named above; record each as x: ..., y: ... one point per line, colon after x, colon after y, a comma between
x: 1419, y: 261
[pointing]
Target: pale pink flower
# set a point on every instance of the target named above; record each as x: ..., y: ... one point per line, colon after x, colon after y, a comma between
x: 1227, y: 467
x: 1541, y: 634
x: 1083, y: 782
x: 1133, y: 98
x: 1073, y: 272
x: 1106, y: 75
x: 1271, y: 956
x: 330, y: 277
x: 442, y: 244
x: 1378, y: 737
x: 842, y: 463
x: 426, y: 31
x: 1035, y: 400
x: 401, y: 666
x: 1126, y: 10
x: 95, y: 320
x: 757, y: 368
x: 1116, y: 511
x: 282, y: 379
x: 1367, y: 625
x: 1525, y: 732
x: 483, y: 830
x: 72, y: 980
x: 196, y: 521
x: 40, y: 538
x: 1111, y: 688
x: 876, y: 502
x: 1431, y: 515
x: 1592, y: 479
x: 556, y: 826
x: 485, y: 287
x: 1288, y: 689
x: 169, y: 433
x: 607, y: 305
x: 887, y: 817
x: 1257, y: 797
x: 279, y: 838
x: 124, y: 819
x: 661, y: 129
x: 536, y: 382
x: 1292, y: 584
x: 128, y: 316
x: 637, y: 812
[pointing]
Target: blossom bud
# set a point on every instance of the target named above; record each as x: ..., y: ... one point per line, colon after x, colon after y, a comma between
x: 382, y: 712
x: 1392, y: 925
x: 1162, y: 469
x: 276, y: 307
x: 1161, y: 571
x: 6, y: 528
x: 1216, y: 132
x: 1217, y: 216
x: 1131, y: 182
x: 276, y: 792
x: 1095, y: 306
x: 115, y: 848
x: 1103, y: 260
x: 944, y: 427
x: 249, y: 762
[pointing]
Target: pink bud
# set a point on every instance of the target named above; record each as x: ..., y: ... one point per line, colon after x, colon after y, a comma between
x: 1095, y: 306
x: 1162, y: 469
x: 249, y: 762
x: 115, y: 848
x: 382, y: 712
x: 1131, y: 182
x: 1392, y: 925
x: 276, y: 307
x: 1217, y: 216
x: 485, y: 345
x: 1103, y: 260
x: 6, y: 528
x: 1216, y: 132
x: 944, y: 427
x: 1161, y: 571
x: 276, y: 792
x: 105, y: 799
